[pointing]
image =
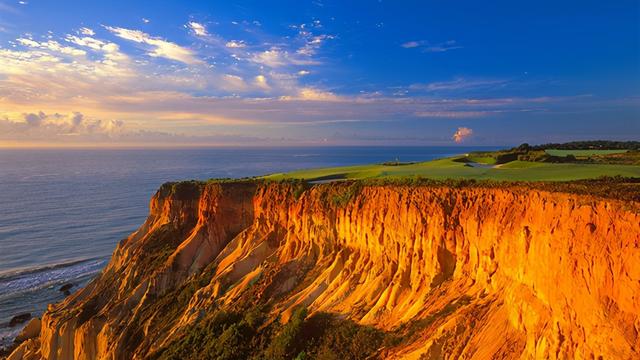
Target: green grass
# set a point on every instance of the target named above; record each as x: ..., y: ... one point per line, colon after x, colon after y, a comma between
x: 487, y: 160
x: 583, y: 153
x: 449, y: 169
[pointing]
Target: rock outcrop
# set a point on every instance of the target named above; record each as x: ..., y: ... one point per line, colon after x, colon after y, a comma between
x: 480, y: 272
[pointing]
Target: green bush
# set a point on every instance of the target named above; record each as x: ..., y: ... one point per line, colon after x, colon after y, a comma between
x: 283, y: 346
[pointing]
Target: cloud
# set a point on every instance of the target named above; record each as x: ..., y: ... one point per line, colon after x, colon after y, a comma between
x: 158, y: 46
x: 459, y: 84
x: 452, y: 114
x: 234, y: 83
x: 86, y: 31
x: 275, y: 57
x: 261, y: 82
x: 311, y: 94
x: 34, y: 126
x: 7, y: 8
x: 443, y: 47
x: 235, y: 44
x: 53, y: 46
x: 429, y: 47
x: 461, y: 134
x: 145, y: 20
x: 312, y: 42
x: 197, y: 28
x: 410, y: 44
x: 34, y: 120
x: 111, y: 50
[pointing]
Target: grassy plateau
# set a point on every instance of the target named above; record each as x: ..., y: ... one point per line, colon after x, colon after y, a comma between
x: 556, y: 165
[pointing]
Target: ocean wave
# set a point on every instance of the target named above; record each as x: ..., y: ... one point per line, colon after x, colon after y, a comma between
x: 31, y: 279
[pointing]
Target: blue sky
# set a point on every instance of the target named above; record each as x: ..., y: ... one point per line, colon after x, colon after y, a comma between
x: 318, y: 72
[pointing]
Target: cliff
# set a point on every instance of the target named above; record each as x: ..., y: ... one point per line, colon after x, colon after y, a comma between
x: 416, y: 272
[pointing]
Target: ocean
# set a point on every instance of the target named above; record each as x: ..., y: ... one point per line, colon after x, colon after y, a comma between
x: 63, y: 211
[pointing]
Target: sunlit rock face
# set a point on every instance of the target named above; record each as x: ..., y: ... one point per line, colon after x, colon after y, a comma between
x: 483, y: 273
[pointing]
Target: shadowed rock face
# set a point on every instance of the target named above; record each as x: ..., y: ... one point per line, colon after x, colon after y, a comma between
x: 483, y: 273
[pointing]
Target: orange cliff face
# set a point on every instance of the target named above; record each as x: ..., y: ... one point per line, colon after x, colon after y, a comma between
x: 482, y: 273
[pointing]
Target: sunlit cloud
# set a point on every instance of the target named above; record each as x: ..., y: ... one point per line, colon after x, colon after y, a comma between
x: 158, y: 46
x: 311, y: 94
x: 86, y: 31
x: 462, y: 134
x: 236, y: 44
x: 197, y: 28
x: 53, y: 46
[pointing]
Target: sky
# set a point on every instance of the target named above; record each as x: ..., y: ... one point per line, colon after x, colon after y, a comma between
x: 320, y: 72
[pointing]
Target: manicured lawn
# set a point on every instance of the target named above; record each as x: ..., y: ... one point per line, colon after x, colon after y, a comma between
x: 581, y: 153
x: 449, y: 169
x: 482, y: 159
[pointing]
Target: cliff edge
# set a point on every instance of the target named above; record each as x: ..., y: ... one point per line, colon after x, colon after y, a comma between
x: 284, y: 270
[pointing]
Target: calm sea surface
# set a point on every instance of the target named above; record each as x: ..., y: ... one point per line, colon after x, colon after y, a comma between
x: 63, y: 211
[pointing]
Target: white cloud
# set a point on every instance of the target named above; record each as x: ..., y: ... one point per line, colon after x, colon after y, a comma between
x: 303, y: 73
x: 111, y: 51
x: 461, y: 134
x: 86, y: 31
x: 159, y: 47
x: 275, y: 57
x: 145, y: 20
x: 235, y: 44
x: 197, y: 28
x: 53, y: 46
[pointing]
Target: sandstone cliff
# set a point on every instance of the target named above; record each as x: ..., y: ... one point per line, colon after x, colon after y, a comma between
x: 474, y: 273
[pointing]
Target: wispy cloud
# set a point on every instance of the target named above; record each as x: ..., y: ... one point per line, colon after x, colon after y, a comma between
x: 158, y: 47
x: 459, y: 84
x: 8, y: 8
x: 429, y: 47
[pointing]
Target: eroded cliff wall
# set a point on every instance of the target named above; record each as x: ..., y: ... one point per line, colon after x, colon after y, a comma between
x: 482, y: 273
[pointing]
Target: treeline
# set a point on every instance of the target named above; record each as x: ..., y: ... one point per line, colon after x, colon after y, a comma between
x: 588, y: 145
